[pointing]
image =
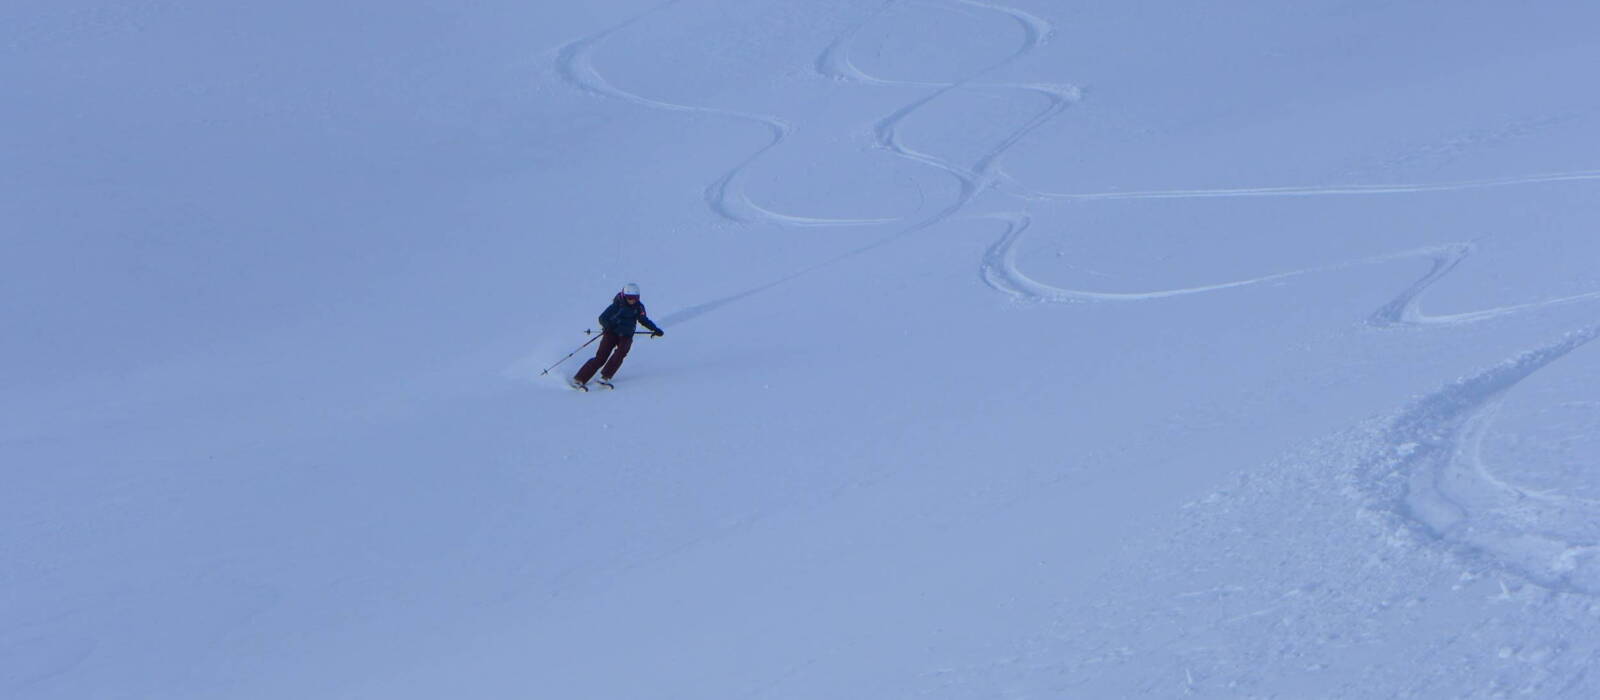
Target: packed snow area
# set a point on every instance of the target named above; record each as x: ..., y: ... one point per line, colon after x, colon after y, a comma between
x: 1016, y: 349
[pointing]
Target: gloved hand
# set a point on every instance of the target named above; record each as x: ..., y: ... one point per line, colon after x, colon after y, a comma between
x: 657, y: 333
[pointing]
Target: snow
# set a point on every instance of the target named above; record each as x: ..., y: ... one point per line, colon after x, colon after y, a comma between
x: 1018, y: 349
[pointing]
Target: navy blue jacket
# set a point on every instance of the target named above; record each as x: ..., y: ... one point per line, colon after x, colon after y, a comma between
x: 621, y: 318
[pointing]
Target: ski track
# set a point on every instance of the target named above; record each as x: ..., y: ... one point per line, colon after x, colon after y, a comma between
x: 835, y: 63
x: 575, y: 67
x: 1451, y: 496
x: 1430, y: 476
x: 999, y: 268
x: 1334, y: 190
x: 1000, y: 271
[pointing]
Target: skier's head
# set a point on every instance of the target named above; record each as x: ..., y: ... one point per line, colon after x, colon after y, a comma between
x: 630, y: 292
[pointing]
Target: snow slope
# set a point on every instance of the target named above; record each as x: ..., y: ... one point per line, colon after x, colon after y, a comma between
x: 1018, y: 349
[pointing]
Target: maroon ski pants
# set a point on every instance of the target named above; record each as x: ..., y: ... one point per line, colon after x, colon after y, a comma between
x: 612, y: 350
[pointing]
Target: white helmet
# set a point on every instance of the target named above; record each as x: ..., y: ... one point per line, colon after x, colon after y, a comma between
x: 630, y: 289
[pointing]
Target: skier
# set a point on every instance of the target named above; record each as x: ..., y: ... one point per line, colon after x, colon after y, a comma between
x: 617, y: 325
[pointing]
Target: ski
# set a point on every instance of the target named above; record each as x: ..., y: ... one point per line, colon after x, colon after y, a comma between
x: 577, y: 385
x: 605, y: 383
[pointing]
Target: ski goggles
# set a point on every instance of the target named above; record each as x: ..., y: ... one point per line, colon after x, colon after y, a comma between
x: 631, y: 297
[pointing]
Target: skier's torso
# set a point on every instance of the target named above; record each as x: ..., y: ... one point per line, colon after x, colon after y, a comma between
x: 621, y: 317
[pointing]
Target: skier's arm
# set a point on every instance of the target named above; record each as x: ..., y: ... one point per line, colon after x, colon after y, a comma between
x: 644, y: 320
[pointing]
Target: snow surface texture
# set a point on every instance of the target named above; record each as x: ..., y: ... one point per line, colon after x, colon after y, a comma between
x: 1018, y: 349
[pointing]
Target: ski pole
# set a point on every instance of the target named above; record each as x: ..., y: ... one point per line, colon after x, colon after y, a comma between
x: 569, y: 355
x: 588, y: 331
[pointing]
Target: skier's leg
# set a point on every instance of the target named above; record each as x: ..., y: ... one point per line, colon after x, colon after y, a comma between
x: 624, y: 344
x: 585, y: 373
